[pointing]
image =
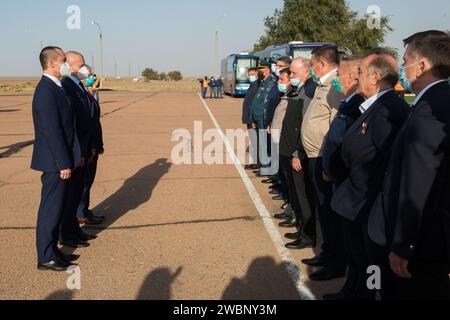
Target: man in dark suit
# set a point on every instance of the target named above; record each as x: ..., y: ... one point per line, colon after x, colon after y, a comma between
x: 56, y: 153
x: 366, y: 149
x: 335, y: 170
x: 411, y: 218
x: 247, y: 118
x: 293, y: 159
x: 86, y: 216
x: 71, y: 234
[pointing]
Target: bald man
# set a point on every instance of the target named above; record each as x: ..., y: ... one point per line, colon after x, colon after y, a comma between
x: 71, y: 234
x: 366, y: 149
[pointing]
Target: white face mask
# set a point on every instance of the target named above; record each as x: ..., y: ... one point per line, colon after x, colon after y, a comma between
x: 83, y: 73
x: 65, y: 70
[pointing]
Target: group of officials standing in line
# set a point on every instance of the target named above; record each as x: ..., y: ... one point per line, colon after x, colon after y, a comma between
x: 345, y: 150
x: 68, y: 143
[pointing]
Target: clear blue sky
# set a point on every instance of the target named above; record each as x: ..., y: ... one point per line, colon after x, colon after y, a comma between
x: 168, y: 34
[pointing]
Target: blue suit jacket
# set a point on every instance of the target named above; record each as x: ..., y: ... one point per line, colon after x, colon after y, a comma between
x: 411, y: 216
x: 56, y: 145
x: 366, y: 150
x: 84, y: 115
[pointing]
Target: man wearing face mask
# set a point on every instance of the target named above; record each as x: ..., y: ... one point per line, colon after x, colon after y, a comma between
x: 71, y: 234
x: 335, y: 170
x: 316, y: 124
x: 411, y: 217
x: 293, y: 160
x: 56, y: 153
x: 247, y: 117
x: 86, y: 216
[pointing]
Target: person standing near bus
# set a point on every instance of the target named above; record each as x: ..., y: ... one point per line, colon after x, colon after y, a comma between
x: 219, y: 84
x: 204, y: 87
x: 212, y: 88
x: 95, y: 88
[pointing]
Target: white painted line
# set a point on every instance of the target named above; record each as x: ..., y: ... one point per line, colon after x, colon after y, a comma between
x: 292, y: 268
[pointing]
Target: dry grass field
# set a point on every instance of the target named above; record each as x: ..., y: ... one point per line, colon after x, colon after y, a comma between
x: 25, y: 85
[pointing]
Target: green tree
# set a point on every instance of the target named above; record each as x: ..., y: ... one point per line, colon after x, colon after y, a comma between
x: 163, y: 76
x: 150, y: 74
x: 323, y: 21
x: 175, y: 75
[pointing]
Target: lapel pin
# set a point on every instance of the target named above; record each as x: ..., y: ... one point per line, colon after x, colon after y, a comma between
x: 365, y: 126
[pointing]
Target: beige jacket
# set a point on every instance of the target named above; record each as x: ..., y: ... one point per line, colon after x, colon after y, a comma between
x: 277, y: 122
x: 318, y: 117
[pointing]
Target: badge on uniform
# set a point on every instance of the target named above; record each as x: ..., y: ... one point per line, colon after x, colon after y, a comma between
x: 365, y: 126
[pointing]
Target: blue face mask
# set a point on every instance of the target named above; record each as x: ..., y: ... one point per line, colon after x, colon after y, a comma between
x: 90, y: 81
x: 296, y: 82
x: 252, y: 79
x: 282, y: 87
x: 406, y: 84
x: 277, y: 72
x: 314, y: 76
x: 337, y: 85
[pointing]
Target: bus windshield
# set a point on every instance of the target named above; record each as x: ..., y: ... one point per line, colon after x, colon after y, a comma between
x: 242, y: 68
x: 302, y: 52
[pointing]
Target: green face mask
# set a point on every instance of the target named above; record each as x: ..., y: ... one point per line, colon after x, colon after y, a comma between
x: 90, y: 81
x: 314, y: 76
x: 337, y: 85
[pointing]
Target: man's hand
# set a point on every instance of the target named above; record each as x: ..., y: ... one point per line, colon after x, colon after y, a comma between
x: 254, y: 126
x: 399, y: 266
x: 269, y: 130
x: 297, y: 164
x: 326, y: 178
x: 65, y: 174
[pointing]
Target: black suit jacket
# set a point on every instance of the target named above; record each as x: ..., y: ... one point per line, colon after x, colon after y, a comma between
x: 332, y: 152
x: 97, y: 138
x: 84, y: 115
x: 412, y: 213
x: 366, y: 150
x: 247, y: 108
x: 56, y: 145
x: 292, y: 124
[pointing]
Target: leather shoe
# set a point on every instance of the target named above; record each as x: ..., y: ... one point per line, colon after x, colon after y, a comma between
x: 87, y: 237
x: 76, y: 244
x: 57, y: 266
x: 274, y: 192
x: 274, y: 187
x: 317, y: 261
x: 68, y: 257
x: 282, y: 216
x: 291, y: 223
x: 300, y: 244
x: 293, y: 236
x: 326, y: 274
x: 278, y: 197
x: 269, y: 181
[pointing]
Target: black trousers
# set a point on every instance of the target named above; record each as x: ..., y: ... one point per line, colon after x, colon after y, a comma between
x: 50, y: 212
x: 88, y: 180
x: 330, y: 224
x: 357, y: 245
x: 70, y: 228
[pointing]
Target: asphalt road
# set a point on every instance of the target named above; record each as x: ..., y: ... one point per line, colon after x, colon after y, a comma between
x: 171, y: 232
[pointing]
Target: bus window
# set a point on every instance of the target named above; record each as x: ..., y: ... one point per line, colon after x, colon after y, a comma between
x: 242, y: 68
x: 303, y: 52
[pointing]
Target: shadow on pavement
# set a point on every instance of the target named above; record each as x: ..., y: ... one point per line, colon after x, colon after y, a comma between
x: 135, y: 191
x: 158, y: 285
x: 61, y: 295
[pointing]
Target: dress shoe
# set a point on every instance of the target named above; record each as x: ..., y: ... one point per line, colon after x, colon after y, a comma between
x: 91, y: 214
x: 274, y: 192
x: 68, y: 257
x: 278, y: 198
x: 327, y: 274
x: 282, y: 216
x: 76, y: 244
x: 291, y: 223
x: 300, y: 244
x: 249, y: 167
x: 317, y: 261
x: 91, y: 221
x: 340, y: 296
x: 57, y: 266
x: 293, y: 236
x: 274, y: 187
x: 86, y: 237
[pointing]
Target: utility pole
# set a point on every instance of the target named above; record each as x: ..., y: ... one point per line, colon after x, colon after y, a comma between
x: 101, y: 53
x: 216, y: 45
x: 115, y: 68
